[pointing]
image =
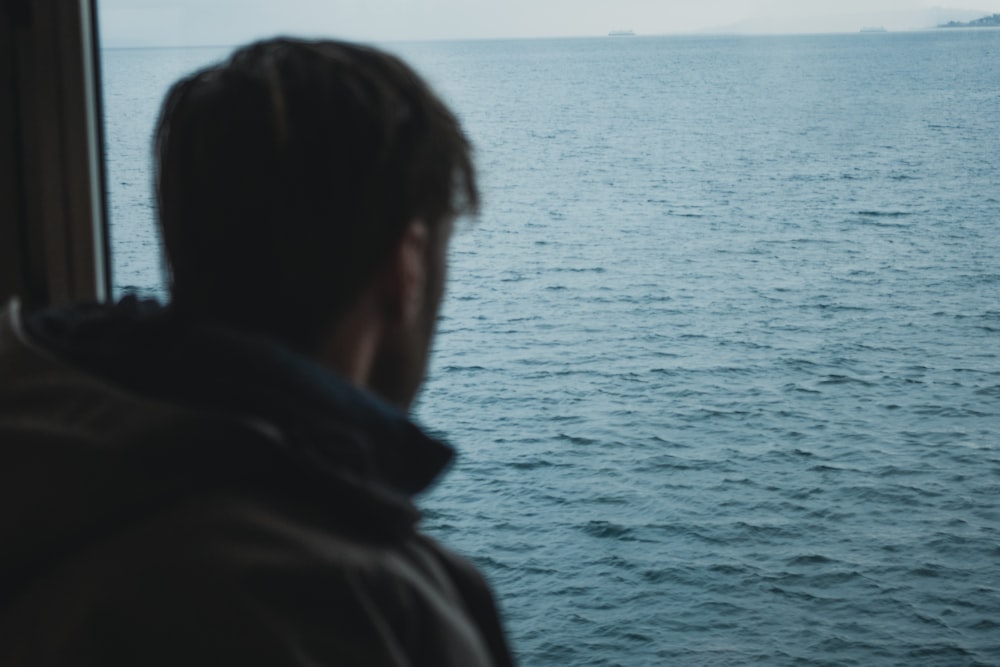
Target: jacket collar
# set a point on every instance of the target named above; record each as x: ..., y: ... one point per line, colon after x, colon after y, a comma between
x: 145, y: 348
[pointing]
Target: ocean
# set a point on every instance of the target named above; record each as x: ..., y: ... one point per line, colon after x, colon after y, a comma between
x: 721, y: 356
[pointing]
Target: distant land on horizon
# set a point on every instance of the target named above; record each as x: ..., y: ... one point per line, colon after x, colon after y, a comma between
x: 992, y: 21
x: 892, y: 20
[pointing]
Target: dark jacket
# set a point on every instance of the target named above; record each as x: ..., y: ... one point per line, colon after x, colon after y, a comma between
x: 176, y: 494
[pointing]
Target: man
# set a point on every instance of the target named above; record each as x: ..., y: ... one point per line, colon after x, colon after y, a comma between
x: 228, y: 480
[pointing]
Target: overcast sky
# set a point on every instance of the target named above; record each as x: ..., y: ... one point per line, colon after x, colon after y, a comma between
x: 225, y: 22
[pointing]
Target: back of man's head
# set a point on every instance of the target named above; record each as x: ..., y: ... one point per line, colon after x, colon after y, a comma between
x: 286, y: 174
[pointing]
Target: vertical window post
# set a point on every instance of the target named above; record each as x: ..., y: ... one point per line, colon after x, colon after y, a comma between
x: 53, y: 236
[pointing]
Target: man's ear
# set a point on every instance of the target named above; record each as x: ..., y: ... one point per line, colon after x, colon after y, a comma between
x: 406, y: 275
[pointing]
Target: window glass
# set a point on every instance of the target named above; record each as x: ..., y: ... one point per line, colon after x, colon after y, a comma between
x: 134, y: 81
x: 720, y: 357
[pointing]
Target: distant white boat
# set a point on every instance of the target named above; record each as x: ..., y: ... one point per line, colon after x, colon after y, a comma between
x: 873, y: 28
x: 621, y: 33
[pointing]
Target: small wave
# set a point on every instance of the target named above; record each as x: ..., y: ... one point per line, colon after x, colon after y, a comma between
x: 822, y: 580
x: 765, y: 530
x: 803, y: 240
x: 799, y: 389
x: 927, y: 571
x: 948, y: 411
x: 836, y: 307
x: 883, y: 214
x: 845, y: 379
x: 589, y: 269
x: 610, y: 500
x: 804, y: 364
x: 670, y: 462
x: 702, y: 414
x: 490, y: 564
x: 810, y: 559
x: 607, y: 530
x: 940, y: 650
x: 140, y: 292
x: 660, y: 576
x: 795, y: 595
x: 576, y: 439
x: 533, y: 464
x: 462, y: 369
x: 730, y: 569
x: 807, y: 178
x: 897, y: 471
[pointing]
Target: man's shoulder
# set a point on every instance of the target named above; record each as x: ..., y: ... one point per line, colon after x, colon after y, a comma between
x: 292, y: 572
x: 229, y: 577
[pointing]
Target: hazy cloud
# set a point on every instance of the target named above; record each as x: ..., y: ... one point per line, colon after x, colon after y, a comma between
x: 201, y: 22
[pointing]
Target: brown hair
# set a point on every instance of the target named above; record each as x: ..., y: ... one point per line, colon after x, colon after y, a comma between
x: 286, y: 174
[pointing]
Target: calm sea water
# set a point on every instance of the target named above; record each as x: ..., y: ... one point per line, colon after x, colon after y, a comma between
x: 722, y: 356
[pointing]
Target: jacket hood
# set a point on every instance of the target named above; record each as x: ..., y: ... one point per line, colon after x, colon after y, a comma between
x: 108, y: 412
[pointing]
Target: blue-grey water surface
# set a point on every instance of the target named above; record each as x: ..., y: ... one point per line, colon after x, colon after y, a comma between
x: 721, y: 354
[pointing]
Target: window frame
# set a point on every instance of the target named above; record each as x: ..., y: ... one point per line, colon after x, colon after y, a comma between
x: 54, y: 233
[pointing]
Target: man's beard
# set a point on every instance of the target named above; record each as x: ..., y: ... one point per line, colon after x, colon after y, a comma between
x: 401, y: 361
